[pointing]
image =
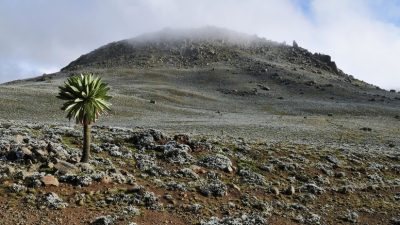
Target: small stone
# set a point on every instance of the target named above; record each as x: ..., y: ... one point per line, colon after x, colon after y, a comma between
x: 152, y: 101
x: 367, y: 129
x: 106, y: 180
x: 333, y: 159
x: 26, y: 151
x: 312, y: 188
x: 18, y: 139
x: 275, y: 190
x: 291, y: 190
x: 237, y: 188
x: 346, y: 189
x: 340, y: 175
x: 81, y: 202
x: 50, y: 181
x: 50, y: 165
x: 395, y: 221
x: 351, y: 217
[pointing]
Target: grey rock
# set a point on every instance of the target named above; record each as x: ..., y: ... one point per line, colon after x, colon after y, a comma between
x: 274, y: 190
x: 340, y: 174
x: 85, y: 168
x: 130, y: 211
x: 375, y: 178
x: 78, y: 180
x: 64, y: 168
x: 395, y: 221
x: 351, y: 217
x: 103, y: 220
x: 149, y: 138
x: 244, y: 219
x: 175, y: 186
x: 194, y: 208
x: 217, y: 161
x: 377, y: 167
x: 397, y: 196
x: 251, y: 177
x: 53, y: 201
x: 396, y: 168
x: 187, y: 172
x: 267, y: 167
x: 17, y: 188
x: 177, y: 153
x: 147, y: 163
x: 34, y: 180
x: 290, y: 190
x: 332, y: 159
x: 213, y: 187
x: 312, y: 188
x: 285, y: 166
x: 151, y: 201
x: 346, y: 189
x: 313, y: 219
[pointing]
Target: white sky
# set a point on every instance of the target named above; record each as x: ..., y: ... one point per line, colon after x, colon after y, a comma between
x: 42, y: 36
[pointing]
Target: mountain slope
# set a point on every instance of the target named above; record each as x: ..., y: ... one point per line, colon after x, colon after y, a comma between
x: 208, y: 77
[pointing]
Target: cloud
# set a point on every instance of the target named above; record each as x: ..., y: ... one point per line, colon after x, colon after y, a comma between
x: 362, y: 36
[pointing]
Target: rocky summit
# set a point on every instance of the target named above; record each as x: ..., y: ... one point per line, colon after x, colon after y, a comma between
x: 208, y: 127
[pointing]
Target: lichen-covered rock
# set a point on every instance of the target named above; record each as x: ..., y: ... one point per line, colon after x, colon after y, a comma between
x: 217, y: 161
x: 213, y: 187
x: 53, y: 201
x: 175, y: 186
x: 351, y: 217
x: 251, y: 177
x: 187, y: 172
x: 77, y: 180
x: 17, y: 188
x: 148, y: 138
x: 245, y: 219
x: 103, y: 220
x: 177, y: 153
x: 312, y: 188
x: 148, y: 164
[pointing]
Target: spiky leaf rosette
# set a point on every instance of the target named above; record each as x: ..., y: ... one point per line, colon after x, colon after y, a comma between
x: 86, y: 98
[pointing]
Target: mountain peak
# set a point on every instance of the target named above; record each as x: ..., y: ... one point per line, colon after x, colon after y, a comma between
x: 207, y: 34
x: 202, y: 47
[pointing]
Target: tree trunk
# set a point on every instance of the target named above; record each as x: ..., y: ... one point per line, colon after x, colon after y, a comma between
x: 86, y: 143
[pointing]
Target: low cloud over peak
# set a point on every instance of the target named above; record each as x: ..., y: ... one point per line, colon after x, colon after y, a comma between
x: 362, y: 36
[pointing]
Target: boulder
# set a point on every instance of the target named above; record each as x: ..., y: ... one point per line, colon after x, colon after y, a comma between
x: 50, y: 180
x: 64, y: 167
x: 217, y: 161
x: 53, y: 201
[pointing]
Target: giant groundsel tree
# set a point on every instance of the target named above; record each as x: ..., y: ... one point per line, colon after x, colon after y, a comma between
x: 86, y: 98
